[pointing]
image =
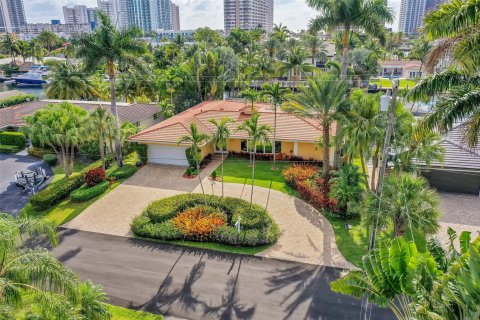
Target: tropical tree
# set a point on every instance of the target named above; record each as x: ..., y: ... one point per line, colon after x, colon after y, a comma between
x: 277, y: 97
x: 280, y: 32
x: 220, y: 137
x: 347, y: 189
x: 167, y: 109
x: 257, y: 134
x: 69, y: 82
x: 251, y: 95
x: 48, y: 39
x: 315, y: 46
x: 420, y: 50
x: 295, y: 64
x: 99, y: 121
x: 56, y: 291
x: 406, y: 202
x: 23, y: 48
x: 324, y: 96
x: 110, y: 48
x: 271, y: 46
x: 195, y: 140
x: 9, y: 44
x: 61, y: 127
x: 37, y: 51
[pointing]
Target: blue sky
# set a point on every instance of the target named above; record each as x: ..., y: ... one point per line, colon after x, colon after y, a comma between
x: 194, y: 13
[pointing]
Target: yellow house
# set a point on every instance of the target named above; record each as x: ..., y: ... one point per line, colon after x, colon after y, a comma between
x: 295, y: 136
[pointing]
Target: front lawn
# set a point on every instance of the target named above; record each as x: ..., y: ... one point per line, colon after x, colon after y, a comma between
x: 387, y: 83
x: 238, y: 170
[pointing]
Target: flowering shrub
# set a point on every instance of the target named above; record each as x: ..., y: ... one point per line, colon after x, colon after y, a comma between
x: 199, y: 222
x: 299, y: 172
x: 94, y: 176
x: 312, y: 194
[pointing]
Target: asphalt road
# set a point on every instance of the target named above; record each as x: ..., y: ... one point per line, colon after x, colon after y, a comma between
x: 202, y: 284
x: 12, y: 198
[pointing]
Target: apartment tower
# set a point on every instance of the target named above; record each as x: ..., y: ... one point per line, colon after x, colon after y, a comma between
x: 175, y: 17
x: 12, y: 15
x: 248, y: 14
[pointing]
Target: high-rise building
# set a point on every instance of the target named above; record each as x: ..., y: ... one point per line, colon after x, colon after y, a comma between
x: 175, y: 17
x: 411, y: 15
x: 248, y: 14
x: 431, y: 5
x: 76, y: 14
x: 12, y: 15
x: 150, y: 15
x: 116, y: 10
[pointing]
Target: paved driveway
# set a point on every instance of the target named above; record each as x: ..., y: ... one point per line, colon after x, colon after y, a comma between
x: 12, y: 198
x: 306, y: 236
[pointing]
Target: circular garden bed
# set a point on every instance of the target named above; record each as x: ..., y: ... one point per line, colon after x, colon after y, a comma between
x: 208, y: 219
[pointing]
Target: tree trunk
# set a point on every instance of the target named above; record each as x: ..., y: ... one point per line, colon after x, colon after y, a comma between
x: 274, y: 136
x: 113, y: 99
x: 364, y: 169
x: 222, y: 172
x: 326, y: 158
x: 72, y: 157
x: 374, y: 169
x: 201, y: 183
x: 253, y: 174
x: 398, y: 226
x: 102, y: 151
x: 343, y: 76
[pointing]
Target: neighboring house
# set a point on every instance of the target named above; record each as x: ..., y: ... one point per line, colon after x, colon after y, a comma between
x: 401, y: 69
x: 142, y: 115
x: 460, y: 172
x: 295, y: 136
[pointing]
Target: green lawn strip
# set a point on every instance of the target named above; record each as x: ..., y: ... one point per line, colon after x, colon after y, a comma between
x: 119, y: 313
x: 211, y: 246
x: 387, y: 83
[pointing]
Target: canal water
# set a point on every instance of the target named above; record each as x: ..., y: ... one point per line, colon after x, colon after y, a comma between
x: 36, y: 90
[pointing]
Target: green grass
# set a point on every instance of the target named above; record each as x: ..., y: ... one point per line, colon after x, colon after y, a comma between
x: 387, y: 83
x: 119, y: 313
x: 238, y: 170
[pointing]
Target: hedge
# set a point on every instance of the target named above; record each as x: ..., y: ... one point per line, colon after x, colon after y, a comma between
x: 55, y: 192
x: 38, y: 152
x: 50, y: 159
x: 257, y: 227
x: 13, y: 139
x: 21, y: 98
x: 5, y: 148
x: 124, y: 172
x: 85, y: 193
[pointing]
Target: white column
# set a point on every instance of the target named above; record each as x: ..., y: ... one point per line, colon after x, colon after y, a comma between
x: 295, y: 148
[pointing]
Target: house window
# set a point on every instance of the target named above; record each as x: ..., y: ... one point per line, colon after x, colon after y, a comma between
x: 267, y: 148
x: 137, y: 124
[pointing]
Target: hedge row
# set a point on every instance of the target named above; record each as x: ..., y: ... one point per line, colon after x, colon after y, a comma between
x: 85, y: 193
x: 55, y: 193
x: 13, y: 139
x: 50, y: 159
x: 124, y: 172
x: 38, y: 152
x: 21, y: 98
x: 5, y: 148
x: 257, y: 227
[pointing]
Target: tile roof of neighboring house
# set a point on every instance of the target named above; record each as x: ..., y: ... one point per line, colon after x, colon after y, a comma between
x: 457, y: 154
x: 289, y: 127
x: 13, y: 116
x: 401, y: 64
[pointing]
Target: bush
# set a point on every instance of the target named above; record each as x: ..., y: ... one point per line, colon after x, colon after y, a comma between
x: 38, y: 152
x: 50, y: 159
x: 94, y: 176
x: 90, y: 149
x: 21, y: 98
x: 214, y: 175
x: 55, y: 192
x: 299, y: 172
x: 86, y: 193
x: 4, y: 148
x: 189, y: 172
x: 13, y: 139
x: 161, y: 220
x: 191, y: 161
x: 124, y: 172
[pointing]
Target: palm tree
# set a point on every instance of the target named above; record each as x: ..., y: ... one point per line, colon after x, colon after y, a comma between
x: 9, y: 44
x: 315, y: 46
x: 277, y: 96
x: 111, y: 48
x: 24, y: 49
x: 68, y: 82
x: 196, y: 140
x: 168, y: 109
x: 271, y: 46
x: 37, y: 51
x: 367, y: 15
x: 48, y: 39
x: 280, y: 32
x: 100, y: 121
x: 406, y: 202
x: 221, y: 136
x: 324, y: 96
x: 295, y: 64
x: 251, y: 95
x: 257, y: 134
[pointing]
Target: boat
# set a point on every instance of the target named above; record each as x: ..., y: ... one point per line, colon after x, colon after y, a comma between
x: 31, y: 78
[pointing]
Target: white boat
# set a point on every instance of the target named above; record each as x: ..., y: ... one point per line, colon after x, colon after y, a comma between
x: 31, y: 78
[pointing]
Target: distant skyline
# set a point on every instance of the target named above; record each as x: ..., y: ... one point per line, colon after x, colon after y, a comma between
x: 295, y: 14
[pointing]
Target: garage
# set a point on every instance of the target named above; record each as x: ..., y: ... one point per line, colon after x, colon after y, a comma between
x: 167, y: 154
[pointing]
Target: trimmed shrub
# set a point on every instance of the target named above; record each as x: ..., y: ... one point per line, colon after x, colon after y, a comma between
x: 50, y: 159
x: 214, y: 175
x: 55, y: 192
x: 4, y: 148
x: 38, y: 152
x: 299, y: 172
x: 199, y: 222
x: 160, y: 220
x: 13, y: 139
x: 21, y: 98
x: 86, y: 193
x: 124, y: 172
x: 94, y: 176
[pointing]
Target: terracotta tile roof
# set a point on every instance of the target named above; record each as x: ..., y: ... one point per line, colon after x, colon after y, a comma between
x: 13, y: 116
x: 289, y: 127
x: 407, y: 64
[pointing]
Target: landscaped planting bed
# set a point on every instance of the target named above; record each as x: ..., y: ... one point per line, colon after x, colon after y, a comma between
x: 206, y: 218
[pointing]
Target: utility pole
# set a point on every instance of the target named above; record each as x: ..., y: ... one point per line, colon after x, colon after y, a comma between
x: 381, y: 175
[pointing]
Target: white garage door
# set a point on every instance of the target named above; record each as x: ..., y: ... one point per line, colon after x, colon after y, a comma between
x: 167, y: 155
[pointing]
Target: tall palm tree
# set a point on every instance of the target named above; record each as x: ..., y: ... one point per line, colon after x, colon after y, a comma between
x: 48, y: 39
x: 24, y: 50
x: 367, y: 15
x: 406, y: 202
x: 295, y: 64
x: 257, y: 134
x: 280, y: 32
x: 324, y: 96
x: 221, y: 136
x: 111, y: 48
x: 315, y: 46
x: 271, y: 46
x: 100, y: 121
x: 69, y: 82
x: 195, y: 140
x: 277, y: 96
x: 37, y: 51
x: 168, y: 109
x: 9, y: 44
x: 251, y: 95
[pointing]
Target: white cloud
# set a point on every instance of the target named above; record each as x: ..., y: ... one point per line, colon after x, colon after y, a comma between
x: 194, y: 13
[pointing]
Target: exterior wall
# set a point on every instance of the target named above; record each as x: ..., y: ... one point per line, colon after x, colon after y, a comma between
x: 148, y: 122
x: 234, y: 145
x: 287, y: 148
x: 309, y: 150
x: 206, y: 150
